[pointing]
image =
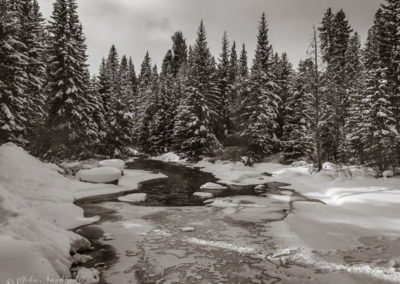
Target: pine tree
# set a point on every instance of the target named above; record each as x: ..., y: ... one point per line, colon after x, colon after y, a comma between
x: 197, y: 114
x: 378, y: 120
x: 284, y: 73
x: 224, y: 86
x: 69, y: 112
x: 352, y: 148
x: 132, y: 76
x: 145, y: 103
x: 31, y: 35
x: 179, y: 51
x: 334, y: 35
x: 261, y: 106
x: 12, y: 76
x: 296, y: 132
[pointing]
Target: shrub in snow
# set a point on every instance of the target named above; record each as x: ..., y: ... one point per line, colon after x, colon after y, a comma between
x: 387, y: 174
x: 88, y: 276
x: 99, y: 175
x: 211, y: 185
x: 114, y: 163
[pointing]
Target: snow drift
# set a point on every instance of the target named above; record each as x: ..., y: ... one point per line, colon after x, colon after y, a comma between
x: 33, y: 201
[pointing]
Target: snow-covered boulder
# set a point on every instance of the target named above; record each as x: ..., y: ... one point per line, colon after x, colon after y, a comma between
x: 329, y: 166
x: 169, y: 157
x: 114, y: 163
x: 99, y: 175
x: 134, y: 197
x: 204, y: 195
x: 299, y: 164
x: 88, y: 275
x: 387, y: 174
x: 212, y: 186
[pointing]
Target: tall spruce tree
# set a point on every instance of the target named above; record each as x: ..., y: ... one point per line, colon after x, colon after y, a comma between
x: 12, y: 76
x: 197, y: 113
x: 31, y: 35
x: 224, y: 86
x: 261, y: 105
x: 69, y: 114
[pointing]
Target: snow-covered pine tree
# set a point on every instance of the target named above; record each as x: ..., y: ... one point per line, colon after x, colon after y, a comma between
x: 69, y: 114
x: 132, y: 76
x: 31, y: 35
x: 179, y: 51
x: 379, y: 119
x: 260, y: 107
x: 334, y: 35
x: 315, y: 106
x: 162, y: 122
x: 351, y: 148
x: 283, y: 73
x: 145, y: 103
x: 224, y: 89
x: 389, y: 42
x: 12, y: 76
x: 296, y: 135
x: 379, y: 122
x: 197, y: 114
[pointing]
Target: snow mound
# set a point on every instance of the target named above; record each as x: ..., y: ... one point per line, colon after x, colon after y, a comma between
x: 114, y: 163
x: 169, y: 157
x: 134, y: 197
x: 99, y: 175
x: 387, y: 174
x: 212, y: 186
x: 329, y: 166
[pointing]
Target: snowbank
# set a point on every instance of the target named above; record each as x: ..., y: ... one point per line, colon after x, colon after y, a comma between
x: 237, y: 173
x: 99, y: 175
x: 33, y: 203
x: 36, y: 209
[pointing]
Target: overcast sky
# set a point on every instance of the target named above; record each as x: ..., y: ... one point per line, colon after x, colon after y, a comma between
x: 136, y: 26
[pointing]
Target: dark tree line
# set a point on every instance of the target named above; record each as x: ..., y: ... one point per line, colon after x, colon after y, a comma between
x: 342, y: 104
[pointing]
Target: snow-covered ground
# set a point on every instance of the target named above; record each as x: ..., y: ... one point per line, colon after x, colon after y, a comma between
x: 337, y: 226
x: 36, y: 211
